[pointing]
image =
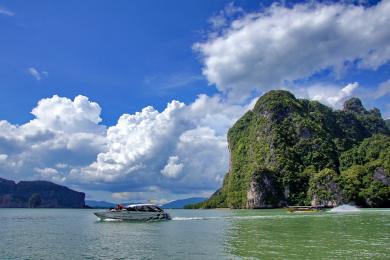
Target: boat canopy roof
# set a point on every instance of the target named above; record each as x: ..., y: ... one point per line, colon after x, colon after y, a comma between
x: 140, y: 205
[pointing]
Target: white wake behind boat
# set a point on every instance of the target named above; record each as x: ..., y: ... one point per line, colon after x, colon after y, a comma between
x: 135, y: 212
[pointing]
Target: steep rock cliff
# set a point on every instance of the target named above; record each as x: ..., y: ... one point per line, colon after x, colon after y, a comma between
x: 286, y: 151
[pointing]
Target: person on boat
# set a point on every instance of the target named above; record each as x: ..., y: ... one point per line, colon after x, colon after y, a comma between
x: 119, y: 207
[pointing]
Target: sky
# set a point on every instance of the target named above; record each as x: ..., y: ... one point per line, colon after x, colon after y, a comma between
x: 132, y: 100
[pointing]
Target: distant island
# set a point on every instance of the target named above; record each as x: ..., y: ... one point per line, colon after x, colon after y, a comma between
x: 38, y: 194
x: 289, y: 151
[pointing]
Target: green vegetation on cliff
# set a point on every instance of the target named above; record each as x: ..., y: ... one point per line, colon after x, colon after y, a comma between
x: 288, y: 151
x: 365, y: 172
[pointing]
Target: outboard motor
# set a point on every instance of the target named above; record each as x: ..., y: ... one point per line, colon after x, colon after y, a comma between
x: 167, y: 216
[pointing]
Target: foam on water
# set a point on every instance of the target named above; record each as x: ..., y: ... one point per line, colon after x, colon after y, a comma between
x: 247, y: 217
x: 111, y: 220
x: 345, y: 209
x: 188, y: 218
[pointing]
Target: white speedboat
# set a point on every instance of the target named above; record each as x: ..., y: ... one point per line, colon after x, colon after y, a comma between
x: 137, y: 212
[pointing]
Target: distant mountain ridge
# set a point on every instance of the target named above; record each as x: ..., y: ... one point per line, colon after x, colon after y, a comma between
x: 99, y: 204
x: 180, y: 204
x: 38, y: 194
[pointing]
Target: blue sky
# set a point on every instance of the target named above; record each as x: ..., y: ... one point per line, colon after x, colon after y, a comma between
x: 124, y: 55
x: 96, y: 66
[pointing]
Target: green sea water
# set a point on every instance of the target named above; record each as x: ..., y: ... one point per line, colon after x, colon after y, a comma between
x: 196, y: 234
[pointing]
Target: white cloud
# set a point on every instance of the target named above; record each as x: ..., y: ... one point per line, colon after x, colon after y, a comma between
x: 279, y: 45
x: 38, y: 75
x: 61, y: 165
x: 46, y: 171
x: 165, y: 82
x: 181, y: 149
x: 229, y: 12
x: 6, y: 12
x: 330, y: 95
x: 125, y: 195
x: 51, y: 174
x: 173, y: 168
x: 63, y: 132
x: 62, y: 114
x: 382, y: 90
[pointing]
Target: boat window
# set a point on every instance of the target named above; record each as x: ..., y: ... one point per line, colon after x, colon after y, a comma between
x: 147, y: 208
x: 130, y: 209
x: 143, y: 208
x: 156, y: 209
x: 150, y: 209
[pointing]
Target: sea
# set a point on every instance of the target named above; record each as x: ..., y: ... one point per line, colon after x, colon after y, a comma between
x: 341, y: 233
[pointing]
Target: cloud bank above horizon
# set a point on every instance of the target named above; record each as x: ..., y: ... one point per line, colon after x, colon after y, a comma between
x: 180, y: 150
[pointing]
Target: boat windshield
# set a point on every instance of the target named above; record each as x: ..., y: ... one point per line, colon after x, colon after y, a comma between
x: 158, y: 209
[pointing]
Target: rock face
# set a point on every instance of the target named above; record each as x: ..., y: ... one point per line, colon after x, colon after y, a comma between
x: 287, y: 151
x: 39, y: 194
x: 263, y: 191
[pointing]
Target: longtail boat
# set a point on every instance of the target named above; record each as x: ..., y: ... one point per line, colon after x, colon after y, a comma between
x: 298, y: 209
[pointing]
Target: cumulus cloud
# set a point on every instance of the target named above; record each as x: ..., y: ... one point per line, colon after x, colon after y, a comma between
x: 280, y: 45
x: 173, y: 168
x: 62, y: 114
x: 38, y: 75
x: 63, y: 132
x: 180, y: 149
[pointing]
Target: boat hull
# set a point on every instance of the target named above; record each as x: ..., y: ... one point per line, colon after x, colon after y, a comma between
x: 132, y: 216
